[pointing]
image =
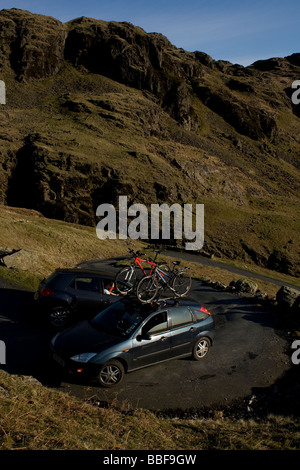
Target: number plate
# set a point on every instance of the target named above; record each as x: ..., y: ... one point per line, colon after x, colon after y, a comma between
x: 58, y: 359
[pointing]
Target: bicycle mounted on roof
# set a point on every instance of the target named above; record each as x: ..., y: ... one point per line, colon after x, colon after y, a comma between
x: 153, y: 283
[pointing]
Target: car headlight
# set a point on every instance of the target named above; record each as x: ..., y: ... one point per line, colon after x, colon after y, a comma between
x: 83, y: 357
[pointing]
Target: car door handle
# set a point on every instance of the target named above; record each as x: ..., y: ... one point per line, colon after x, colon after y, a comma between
x: 163, y: 338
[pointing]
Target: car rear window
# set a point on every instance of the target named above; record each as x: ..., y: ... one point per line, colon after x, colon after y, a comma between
x: 199, y: 314
x: 56, y: 279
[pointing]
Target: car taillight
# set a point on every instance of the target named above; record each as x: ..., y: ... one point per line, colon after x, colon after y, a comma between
x: 46, y: 292
x: 203, y: 309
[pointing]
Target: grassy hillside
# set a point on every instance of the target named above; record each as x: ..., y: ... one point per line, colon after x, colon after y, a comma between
x: 36, y: 418
x: 56, y: 244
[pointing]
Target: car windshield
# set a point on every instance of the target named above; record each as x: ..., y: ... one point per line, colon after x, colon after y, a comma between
x: 119, y: 319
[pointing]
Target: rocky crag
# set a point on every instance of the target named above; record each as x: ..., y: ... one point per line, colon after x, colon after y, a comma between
x: 100, y: 109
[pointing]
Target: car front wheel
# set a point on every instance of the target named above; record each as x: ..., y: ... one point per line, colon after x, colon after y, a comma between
x: 111, y: 374
x: 201, y: 348
x: 59, y: 316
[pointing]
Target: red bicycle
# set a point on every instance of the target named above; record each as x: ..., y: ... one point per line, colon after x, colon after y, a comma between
x: 126, y: 279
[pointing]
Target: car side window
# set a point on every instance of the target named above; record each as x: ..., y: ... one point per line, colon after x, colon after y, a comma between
x: 157, y: 324
x: 181, y: 316
x: 90, y: 284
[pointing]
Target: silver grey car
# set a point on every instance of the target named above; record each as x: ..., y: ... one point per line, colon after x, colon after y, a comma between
x: 128, y: 335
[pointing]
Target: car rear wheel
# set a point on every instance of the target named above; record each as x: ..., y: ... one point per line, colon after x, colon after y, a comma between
x: 59, y: 316
x: 201, y: 348
x: 111, y: 374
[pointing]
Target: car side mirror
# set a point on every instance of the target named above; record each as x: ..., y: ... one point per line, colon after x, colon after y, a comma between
x: 144, y: 336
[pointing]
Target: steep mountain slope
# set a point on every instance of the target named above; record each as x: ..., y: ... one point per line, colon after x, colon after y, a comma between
x: 96, y: 110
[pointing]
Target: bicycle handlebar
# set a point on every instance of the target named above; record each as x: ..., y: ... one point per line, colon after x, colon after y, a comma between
x: 136, y: 253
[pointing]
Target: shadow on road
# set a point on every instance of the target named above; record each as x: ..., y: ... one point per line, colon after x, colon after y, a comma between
x: 25, y: 337
x: 230, y: 305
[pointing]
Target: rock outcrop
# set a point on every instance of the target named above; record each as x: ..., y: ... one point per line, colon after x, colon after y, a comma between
x: 32, y: 45
x: 36, y: 46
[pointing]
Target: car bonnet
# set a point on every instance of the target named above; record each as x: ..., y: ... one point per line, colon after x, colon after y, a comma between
x: 84, y: 338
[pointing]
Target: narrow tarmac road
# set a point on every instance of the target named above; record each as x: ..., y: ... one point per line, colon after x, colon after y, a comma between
x: 249, y: 353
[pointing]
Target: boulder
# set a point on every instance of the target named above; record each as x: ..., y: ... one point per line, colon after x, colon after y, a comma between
x: 22, y: 259
x: 287, y: 297
x: 246, y: 285
x: 296, y: 306
x: 4, y: 251
x: 220, y: 285
x: 288, y: 306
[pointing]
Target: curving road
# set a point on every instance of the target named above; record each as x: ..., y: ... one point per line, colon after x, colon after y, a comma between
x: 197, y: 258
x: 248, y: 353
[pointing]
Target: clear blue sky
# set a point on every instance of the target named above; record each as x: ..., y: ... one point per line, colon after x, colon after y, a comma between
x: 235, y: 30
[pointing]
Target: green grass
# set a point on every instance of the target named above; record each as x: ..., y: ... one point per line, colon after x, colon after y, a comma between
x: 56, y: 243
x: 34, y: 417
x: 26, y: 279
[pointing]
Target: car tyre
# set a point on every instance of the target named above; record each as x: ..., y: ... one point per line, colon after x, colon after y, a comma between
x: 111, y: 374
x: 59, y: 316
x: 201, y: 348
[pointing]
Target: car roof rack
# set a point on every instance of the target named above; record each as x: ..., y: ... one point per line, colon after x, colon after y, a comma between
x: 164, y: 300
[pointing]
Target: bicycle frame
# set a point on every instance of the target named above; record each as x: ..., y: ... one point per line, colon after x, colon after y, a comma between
x: 167, y: 277
x: 162, y: 275
x: 138, y: 261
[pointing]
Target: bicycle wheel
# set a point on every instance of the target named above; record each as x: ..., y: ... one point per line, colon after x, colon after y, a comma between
x: 147, y: 289
x: 125, y: 280
x: 181, y: 283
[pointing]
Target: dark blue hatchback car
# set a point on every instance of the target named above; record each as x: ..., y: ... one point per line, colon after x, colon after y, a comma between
x: 128, y: 335
x: 74, y: 294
